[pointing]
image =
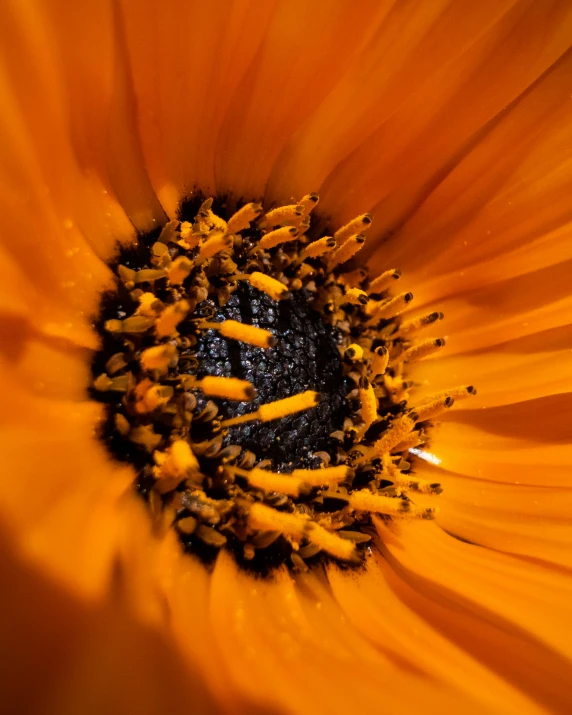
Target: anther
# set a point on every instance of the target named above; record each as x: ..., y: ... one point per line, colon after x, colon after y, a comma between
x: 319, y: 247
x: 331, y: 543
x: 179, y: 270
x: 432, y: 409
x: 309, y: 202
x: 456, y: 393
x: 159, y: 357
x: 360, y: 224
x: 278, y: 409
x: 228, y: 388
x: 400, y: 428
x: 384, y: 280
x: 171, y: 317
x: 380, y: 361
x: 424, y: 349
x: 244, y: 333
x: 368, y: 406
x: 417, y: 323
x: 278, y: 236
x: 324, y: 476
x: 354, y: 352
x: 214, y: 244
x: 354, y: 296
x: 264, y: 518
x: 389, y: 308
x: 243, y: 217
x: 275, y: 289
x: 282, y: 214
x: 364, y: 500
x: 347, y: 250
x: 270, y: 481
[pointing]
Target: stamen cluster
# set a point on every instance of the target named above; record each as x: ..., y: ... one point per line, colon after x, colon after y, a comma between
x: 181, y: 428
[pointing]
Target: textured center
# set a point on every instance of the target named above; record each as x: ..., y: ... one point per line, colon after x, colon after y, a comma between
x: 305, y: 357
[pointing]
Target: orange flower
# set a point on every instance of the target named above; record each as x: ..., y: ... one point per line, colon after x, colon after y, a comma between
x: 450, y: 121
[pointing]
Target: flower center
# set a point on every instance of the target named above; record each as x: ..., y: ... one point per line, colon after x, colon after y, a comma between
x: 258, y: 385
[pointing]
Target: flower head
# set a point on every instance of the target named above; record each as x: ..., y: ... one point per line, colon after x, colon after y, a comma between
x: 447, y: 121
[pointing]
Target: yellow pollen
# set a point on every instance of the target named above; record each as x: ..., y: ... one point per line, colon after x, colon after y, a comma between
x: 264, y: 518
x: 149, y: 275
x: 179, y: 270
x: 159, y: 357
x: 433, y: 409
x: 384, y: 280
x: 271, y: 481
x: 368, y: 406
x: 243, y: 217
x: 456, y: 393
x: 355, y: 296
x: 364, y: 500
x: 275, y: 289
x: 331, y: 543
x: 319, y: 247
x: 380, y: 361
x: 424, y: 349
x: 326, y: 475
x: 354, y: 352
x: 360, y: 224
x: 388, y: 308
x: 214, y: 244
x: 400, y: 428
x: 278, y: 409
x: 282, y: 214
x: 309, y: 202
x: 347, y: 250
x: 227, y: 388
x: 244, y: 333
x: 418, y: 323
x: 171, y: 317
x: 278, y: 236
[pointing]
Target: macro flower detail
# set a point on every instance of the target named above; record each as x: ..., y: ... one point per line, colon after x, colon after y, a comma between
x: 182, y: 369
x: 221, y: 420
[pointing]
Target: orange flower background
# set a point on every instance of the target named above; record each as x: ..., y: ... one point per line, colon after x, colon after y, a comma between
x: 451, y: 121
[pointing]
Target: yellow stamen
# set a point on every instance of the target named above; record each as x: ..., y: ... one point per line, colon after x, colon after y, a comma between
x: 280, y: 235
x: 278, y: 409
x: 244, y: 333
x: 354, y: 352
x: 360, y: 224
x: 321, y: 477
x: 281, y: 214
x: 155, y: 397
x: 148, y: 275
x: 422, y: 486
x: 417, y: 323
x: 456, y: 393
x: 380, y: 361
x: 400, y: 428
x: 271, y: 481
x: 149, y: 305
x: 368, y: 406
x: 264, y: 518
x: 364, y: 500
x: 353, y: 279
x: 354, y: 296
x: 214, y: 244
x: 171, y: 317
x: 347, y: 250
x: 424, y: 349
x: 388, y: 308
x: 384, y: 280
x: 433, y: 409
x: 179, y: 270
x: 331, y: 543
x: 309, y: 202
x: 158, y: 357
x: 319, y: 247
x: 275, y: 289
x: 228, y: 388
x: 243, y: 217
